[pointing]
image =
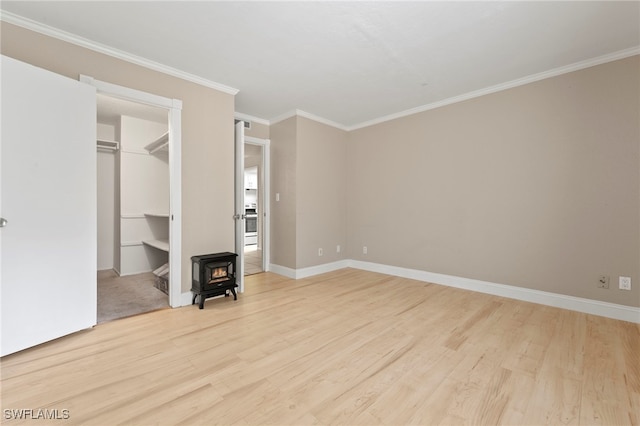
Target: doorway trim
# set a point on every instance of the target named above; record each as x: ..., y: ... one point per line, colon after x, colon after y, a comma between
x: 175, y: 172
x: 266, y: 180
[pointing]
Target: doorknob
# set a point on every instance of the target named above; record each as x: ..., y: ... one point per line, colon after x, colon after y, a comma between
x: 3, y: 222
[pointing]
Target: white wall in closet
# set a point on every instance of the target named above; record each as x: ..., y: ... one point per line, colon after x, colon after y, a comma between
x: 106, y: 200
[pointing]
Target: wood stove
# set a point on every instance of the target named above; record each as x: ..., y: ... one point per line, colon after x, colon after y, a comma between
x: 213, y: 275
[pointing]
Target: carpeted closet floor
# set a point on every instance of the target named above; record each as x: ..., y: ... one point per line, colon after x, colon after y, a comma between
x: 120, y: 297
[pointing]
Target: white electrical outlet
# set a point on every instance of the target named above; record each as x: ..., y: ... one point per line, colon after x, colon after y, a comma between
x: 624, y: 283
x: 364, y: 250
x: 338, y: 248
x: 320, y: 252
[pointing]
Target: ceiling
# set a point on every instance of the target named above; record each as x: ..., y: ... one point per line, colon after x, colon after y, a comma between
x: 350, y: 62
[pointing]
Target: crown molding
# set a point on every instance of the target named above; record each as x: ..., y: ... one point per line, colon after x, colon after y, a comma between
x: 38, y: 27
x: 319, y: 119
x: 316, y: 118
x: 283, y: 117
x: 247, y: 117
x: 621, y: 54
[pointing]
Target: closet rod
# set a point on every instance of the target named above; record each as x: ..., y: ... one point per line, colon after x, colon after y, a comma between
x: 107, y: 145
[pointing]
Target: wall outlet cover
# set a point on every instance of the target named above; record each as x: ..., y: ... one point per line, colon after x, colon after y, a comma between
x: 624, y: 283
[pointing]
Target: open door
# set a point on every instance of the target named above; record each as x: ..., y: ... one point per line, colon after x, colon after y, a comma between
x: 48, y: 199
x: 239, y: 204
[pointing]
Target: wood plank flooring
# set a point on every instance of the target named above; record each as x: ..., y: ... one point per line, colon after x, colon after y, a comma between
x: 347, y: 347
x: 252, y: 260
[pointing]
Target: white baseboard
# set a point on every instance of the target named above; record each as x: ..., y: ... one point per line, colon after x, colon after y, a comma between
x: 186, y: 298
x: 587, y: 306
x: 297, y: 274
x: 322, y: 269
x: 579, y: 304
x: 282, y: 270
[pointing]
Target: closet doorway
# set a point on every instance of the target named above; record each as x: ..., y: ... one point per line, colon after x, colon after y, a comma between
x: 138, y: 197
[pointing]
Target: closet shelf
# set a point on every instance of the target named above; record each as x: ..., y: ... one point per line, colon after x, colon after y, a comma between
x: 159, y: 244
x: 164, y: 215
x: 162, y: 143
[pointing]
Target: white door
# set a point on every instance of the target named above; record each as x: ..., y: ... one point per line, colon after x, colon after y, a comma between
x: 48, y: 198
x: 239, y: 204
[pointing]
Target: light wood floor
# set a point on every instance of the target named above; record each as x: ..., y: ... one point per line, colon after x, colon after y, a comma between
x: 252, y: 260
x: 348, y: 347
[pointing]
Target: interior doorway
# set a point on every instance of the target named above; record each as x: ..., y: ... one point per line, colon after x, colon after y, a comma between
x: 254, y: 207
x: 149, y: 224
x: 252, y: 188
x: 132, y: 208
x: 256, y: 202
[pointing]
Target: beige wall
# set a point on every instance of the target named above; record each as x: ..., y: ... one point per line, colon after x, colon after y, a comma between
x: 207, y: 133
x: 308, y: 170
x: 283, y: 182
x: 536, y: 186
x: 257, y: 130
x: 322, y: 193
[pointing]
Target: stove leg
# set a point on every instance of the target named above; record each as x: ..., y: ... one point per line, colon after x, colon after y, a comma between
x: 193, y: 302
x: 235, y: 296
x: 201, y: 301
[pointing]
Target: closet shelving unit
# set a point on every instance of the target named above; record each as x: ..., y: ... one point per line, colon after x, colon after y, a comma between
x: 160, y: 144
x: 144, y: 203
x: 162, y: 281
x: 159, y: 244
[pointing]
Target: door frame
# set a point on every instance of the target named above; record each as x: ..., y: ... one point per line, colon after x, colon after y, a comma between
x: 240, y: 140
x: 266, y: 176
x: 238, y: 201
x: 174, y: 106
